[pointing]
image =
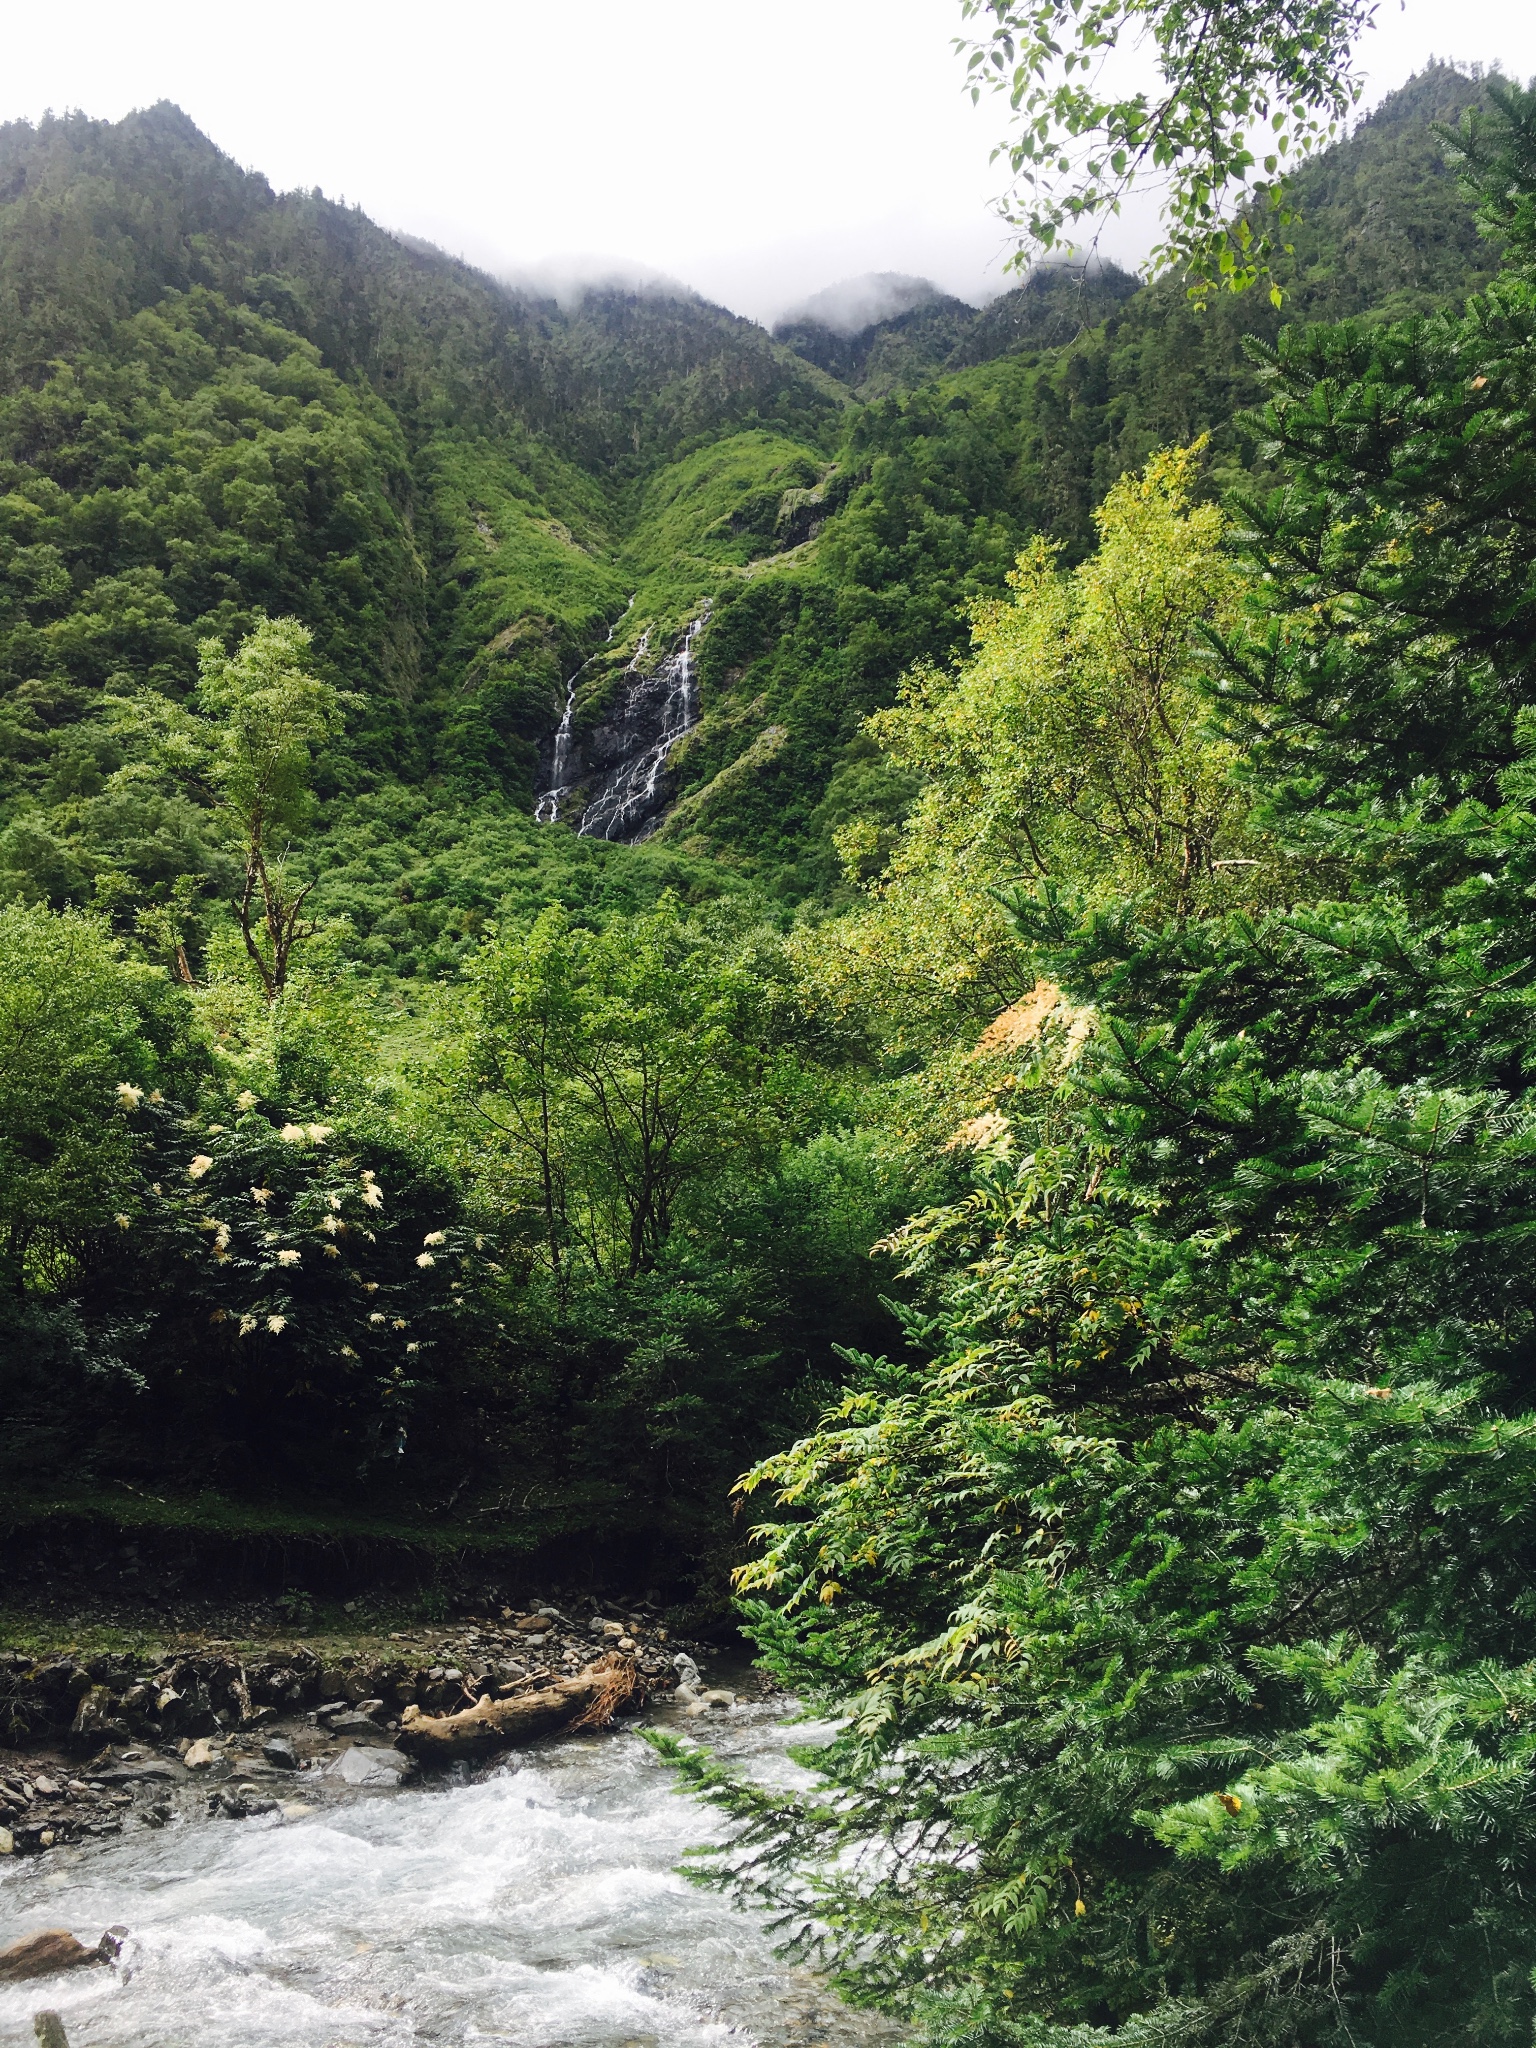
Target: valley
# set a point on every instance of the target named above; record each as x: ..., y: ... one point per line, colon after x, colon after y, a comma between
x: 703, y: 1024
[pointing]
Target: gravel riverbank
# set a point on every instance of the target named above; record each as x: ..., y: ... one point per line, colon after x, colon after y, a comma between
x: 92, y: 1741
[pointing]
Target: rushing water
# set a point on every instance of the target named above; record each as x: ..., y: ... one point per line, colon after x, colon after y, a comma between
x: 547, y: 806
x: 538, y: 1906
x: 620, y: 765
x: 547, y: 809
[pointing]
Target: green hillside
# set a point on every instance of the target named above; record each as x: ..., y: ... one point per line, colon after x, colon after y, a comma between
x: 217, y: 402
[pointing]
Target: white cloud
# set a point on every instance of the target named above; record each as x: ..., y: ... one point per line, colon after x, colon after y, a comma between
x: 759, y: 149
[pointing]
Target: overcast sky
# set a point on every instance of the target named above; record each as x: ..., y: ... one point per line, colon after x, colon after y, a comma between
x: 755, y: 149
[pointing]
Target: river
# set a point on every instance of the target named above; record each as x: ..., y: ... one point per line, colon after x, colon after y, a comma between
x: 538, y: 1904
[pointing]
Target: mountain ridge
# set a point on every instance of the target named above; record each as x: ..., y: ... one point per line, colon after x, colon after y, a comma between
x: 219, y: 402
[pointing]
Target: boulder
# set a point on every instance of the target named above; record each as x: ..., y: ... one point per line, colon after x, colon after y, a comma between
x: 148, y: 1769
x: 280, y: 1753
x: 360, y: 1766
x: 359, y: 1720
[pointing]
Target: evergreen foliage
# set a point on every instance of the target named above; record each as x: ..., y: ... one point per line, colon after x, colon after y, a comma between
x: 1171, y: 1588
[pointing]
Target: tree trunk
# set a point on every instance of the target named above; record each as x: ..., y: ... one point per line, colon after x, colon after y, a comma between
x: 588, y: 1699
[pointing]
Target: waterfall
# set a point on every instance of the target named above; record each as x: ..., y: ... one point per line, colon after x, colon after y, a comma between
x: 666, y: 703
x: 609, y: 782
x: 547, y: 809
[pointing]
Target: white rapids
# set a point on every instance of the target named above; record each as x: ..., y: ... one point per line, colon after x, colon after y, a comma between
x: 539, y: 1906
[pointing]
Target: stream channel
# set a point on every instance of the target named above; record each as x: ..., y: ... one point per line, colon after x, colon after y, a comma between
x: 537, y: 1903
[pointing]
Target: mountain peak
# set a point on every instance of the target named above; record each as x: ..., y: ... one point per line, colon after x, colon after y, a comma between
x: 856, y: 303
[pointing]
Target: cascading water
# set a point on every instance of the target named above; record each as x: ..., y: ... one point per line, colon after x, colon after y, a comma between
x: 547, y: 810
x: 539, y: 1906
x: 625, y: 758
x: 547, y: 807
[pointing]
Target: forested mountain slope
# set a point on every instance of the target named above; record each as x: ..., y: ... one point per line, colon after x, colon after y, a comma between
x: 878, y: 333
x: 217, y: 402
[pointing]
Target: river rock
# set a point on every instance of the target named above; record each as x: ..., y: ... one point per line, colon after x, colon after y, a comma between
x: 355, y: 1721
x: 202, y: 1754
x: 369, y: 1767
x: 150, y: 1769
x: 280, y: 1752
x: 239, y: 1802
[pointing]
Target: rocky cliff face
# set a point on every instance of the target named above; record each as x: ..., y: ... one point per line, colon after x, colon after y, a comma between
x: 610, y: 782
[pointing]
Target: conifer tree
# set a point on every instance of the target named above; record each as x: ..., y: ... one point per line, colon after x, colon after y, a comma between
x: 1174, y: 1592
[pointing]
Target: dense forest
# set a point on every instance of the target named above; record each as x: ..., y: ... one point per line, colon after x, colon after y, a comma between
x: 1038, y: 1083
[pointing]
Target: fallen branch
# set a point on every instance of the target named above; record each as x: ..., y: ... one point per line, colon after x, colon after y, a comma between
x: 588, y: 1699
x: 55, y: 1948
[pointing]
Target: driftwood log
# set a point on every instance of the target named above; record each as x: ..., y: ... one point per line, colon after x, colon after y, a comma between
x: 40, y: 1955
x: 588, y: 1699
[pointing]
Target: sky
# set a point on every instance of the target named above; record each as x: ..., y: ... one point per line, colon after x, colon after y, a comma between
x: 757, y: 150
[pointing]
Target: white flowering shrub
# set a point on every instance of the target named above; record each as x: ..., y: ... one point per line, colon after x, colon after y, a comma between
x: 299, y: 1277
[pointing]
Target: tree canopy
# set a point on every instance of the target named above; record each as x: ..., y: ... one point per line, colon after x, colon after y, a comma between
x: 1244, y: 92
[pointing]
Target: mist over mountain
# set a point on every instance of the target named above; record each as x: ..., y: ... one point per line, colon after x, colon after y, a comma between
x: 847, y: 308
x: 879, y: 333
x: 886, y: 332
x: 569, y: 280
